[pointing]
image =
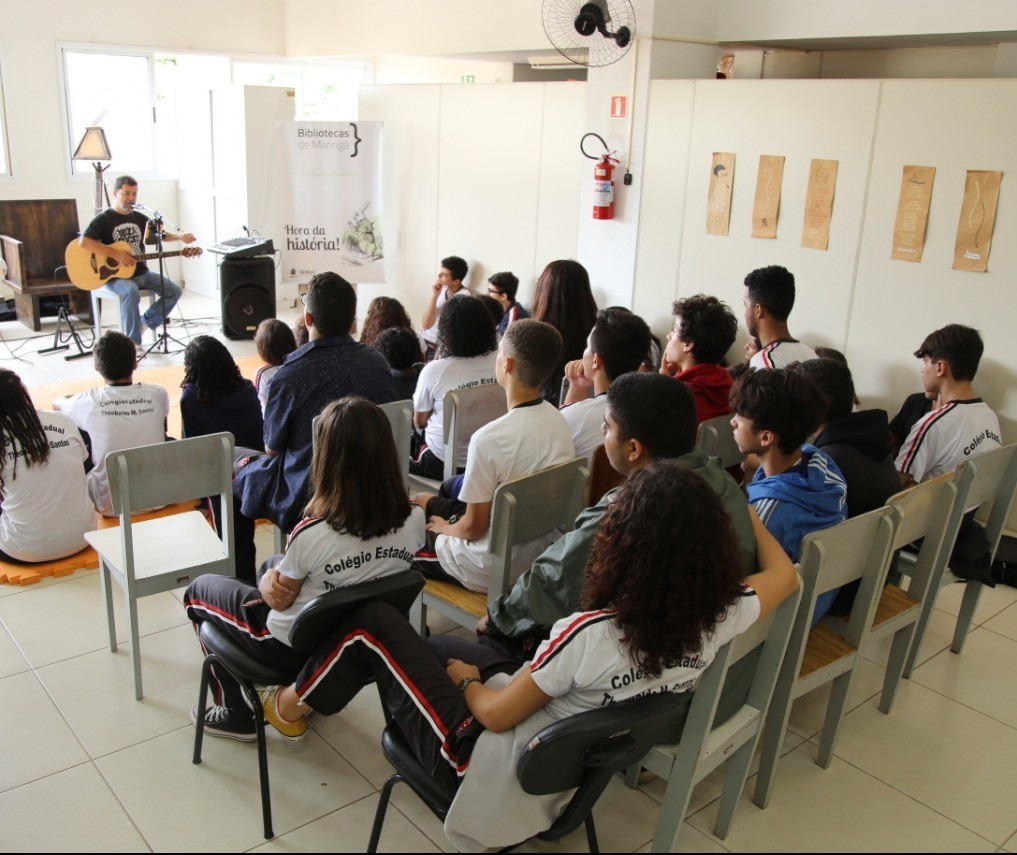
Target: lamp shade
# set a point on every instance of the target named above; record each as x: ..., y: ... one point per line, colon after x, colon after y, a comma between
x: 93, y: 146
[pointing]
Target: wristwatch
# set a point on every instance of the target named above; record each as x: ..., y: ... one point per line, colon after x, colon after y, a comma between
x: 463, y: 683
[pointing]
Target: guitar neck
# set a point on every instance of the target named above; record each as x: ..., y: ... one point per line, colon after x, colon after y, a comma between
x: 152, y: 256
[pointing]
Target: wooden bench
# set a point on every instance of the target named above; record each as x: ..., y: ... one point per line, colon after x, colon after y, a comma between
x: 33, y: 236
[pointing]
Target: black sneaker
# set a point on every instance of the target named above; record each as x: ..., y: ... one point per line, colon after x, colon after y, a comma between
x: 223, y: 721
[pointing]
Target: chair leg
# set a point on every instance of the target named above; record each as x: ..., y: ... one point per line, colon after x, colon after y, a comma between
x: 834, y: 716
x: 899, y: 650
x: 734, y: 783
x: 105, y: 583
x: 259, y: 729
x: 672, y: 810
x: 132, y: 618
x: 418, y: 616
x: 379, y: 814
x: 199, y: 725
x: 928, y: 604
x: 972, y: 593
x: 772, y: 740
x: 279, y: 539
x: 591, y: 833
x: 632, y: 776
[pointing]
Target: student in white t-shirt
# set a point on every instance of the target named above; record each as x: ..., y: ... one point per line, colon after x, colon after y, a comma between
x: 467, y: 346
x: 665, y: 557
x: 122, y: 414
x: 961, y: 425
x: 44, y: 505
x: 359, y: 525
x: 617, y: 344
x: 449, y: 284
x: 769, y: 299
x: 530, y: 437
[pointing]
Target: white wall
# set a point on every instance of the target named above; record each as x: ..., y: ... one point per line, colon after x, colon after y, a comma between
x: 488, y: 172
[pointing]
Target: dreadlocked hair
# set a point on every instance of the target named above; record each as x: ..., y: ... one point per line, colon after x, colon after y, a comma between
x: 21, y: 433
x: 210, y: 369
x: 666, y: 560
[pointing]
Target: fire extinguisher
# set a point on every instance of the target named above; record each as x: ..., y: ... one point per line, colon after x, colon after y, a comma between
x: 603, y: 180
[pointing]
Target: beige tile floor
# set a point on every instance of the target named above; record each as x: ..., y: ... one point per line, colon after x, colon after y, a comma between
x: 87, y: 768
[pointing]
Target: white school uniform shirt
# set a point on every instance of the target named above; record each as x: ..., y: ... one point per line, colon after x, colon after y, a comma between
x: 446, y: 375
x: 944, y: 438
x: 584, y: 665
x: 46, y: 507
x: 781, y: 353
x: 528, y: 438
x: 117, y: 417
x: 585, y: 420
x: 430, y: 335
x: 327, y: 559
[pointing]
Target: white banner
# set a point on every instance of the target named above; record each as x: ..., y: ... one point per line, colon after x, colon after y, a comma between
x: 326, y: 195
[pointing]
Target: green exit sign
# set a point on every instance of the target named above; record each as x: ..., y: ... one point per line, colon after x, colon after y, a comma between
x: 468, y: 78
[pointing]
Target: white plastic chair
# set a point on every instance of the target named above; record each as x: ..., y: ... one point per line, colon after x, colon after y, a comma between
x: 704, y: 747
x: 523, y: 509
x: 167, y: 552
x: 715, y: 438
x: 465, y: 411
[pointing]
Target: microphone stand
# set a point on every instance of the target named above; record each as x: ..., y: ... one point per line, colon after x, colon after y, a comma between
x: 164, y: 338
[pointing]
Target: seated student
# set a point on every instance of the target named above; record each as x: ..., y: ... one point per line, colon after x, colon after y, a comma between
x: 216, y: 397
x: 915, y: 405
x: 503, y: 287
x: 494, y: 308
x: 651, y: 567
x: 449, y: 284
x: 616, y: 345
x: 962, y: 425
x: 797, y: 488
x: 466, y: 353
x: 646, y: 418
x: 44, y: 505
x: 769, y: 299
x: 358, y: 507
x: 274, y: 341
x: 530, y: 437
x: 300, y: 334
x: 401, y: 348
x: 704, y: 330
x: 122, y: 414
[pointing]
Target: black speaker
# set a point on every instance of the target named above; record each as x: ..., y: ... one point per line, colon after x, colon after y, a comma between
x: 247, y: 290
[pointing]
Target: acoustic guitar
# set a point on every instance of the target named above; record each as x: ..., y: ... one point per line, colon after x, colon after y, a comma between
x: 90, y: 270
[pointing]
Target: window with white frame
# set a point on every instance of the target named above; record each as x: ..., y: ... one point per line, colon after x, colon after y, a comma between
x: 325, y: 91
x: 114, y: 91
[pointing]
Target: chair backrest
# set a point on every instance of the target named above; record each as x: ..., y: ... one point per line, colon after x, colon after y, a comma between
x: 529, y: 507
x: 989, y: 478
x: 400, y: 417
x: 169, y: 472
x: 585, y: 750
x: 924, y: 512
x: 857, y: 548
x: 603, y: 476
x: 465, y: 412
x: 318, y: 618
x: 715, y: 437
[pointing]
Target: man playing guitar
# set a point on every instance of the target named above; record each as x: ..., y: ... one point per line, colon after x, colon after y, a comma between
x: 120, y: 222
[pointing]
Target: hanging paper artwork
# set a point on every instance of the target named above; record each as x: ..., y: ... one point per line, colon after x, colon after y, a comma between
x: 766, y: 206
x: 977, y: 220
x: 912, y: 213
x: 819, y: 204
x: 718, y: 210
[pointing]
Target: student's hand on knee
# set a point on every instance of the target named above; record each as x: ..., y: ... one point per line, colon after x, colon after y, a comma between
x: 482, y: 624
x: 439, y: 525
x: 459, y: 670
x: 421, y: 499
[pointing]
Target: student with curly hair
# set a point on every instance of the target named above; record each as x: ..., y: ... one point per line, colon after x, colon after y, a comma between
x: 704, y: 330
x: 467, y: 346
x: 44, y: 505
x: 358, y: 525
x: 385, y: 313
x: 664, y: 592
x: 216, y: 397
x: 564, y: 300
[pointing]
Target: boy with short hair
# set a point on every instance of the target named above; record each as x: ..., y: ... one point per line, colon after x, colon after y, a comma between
x: 704, y: 330
x: 769, y: 299
x: 449, y: 284
x: 122, y: 414
x: 530, y: 437
x: 797, y: 488
x: 616, y: 345
x: 503, y: 288
x: 963, y: 425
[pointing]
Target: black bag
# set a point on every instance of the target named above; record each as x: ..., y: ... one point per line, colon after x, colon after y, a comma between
x: 971, y: 558
x: 1004, y: 568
